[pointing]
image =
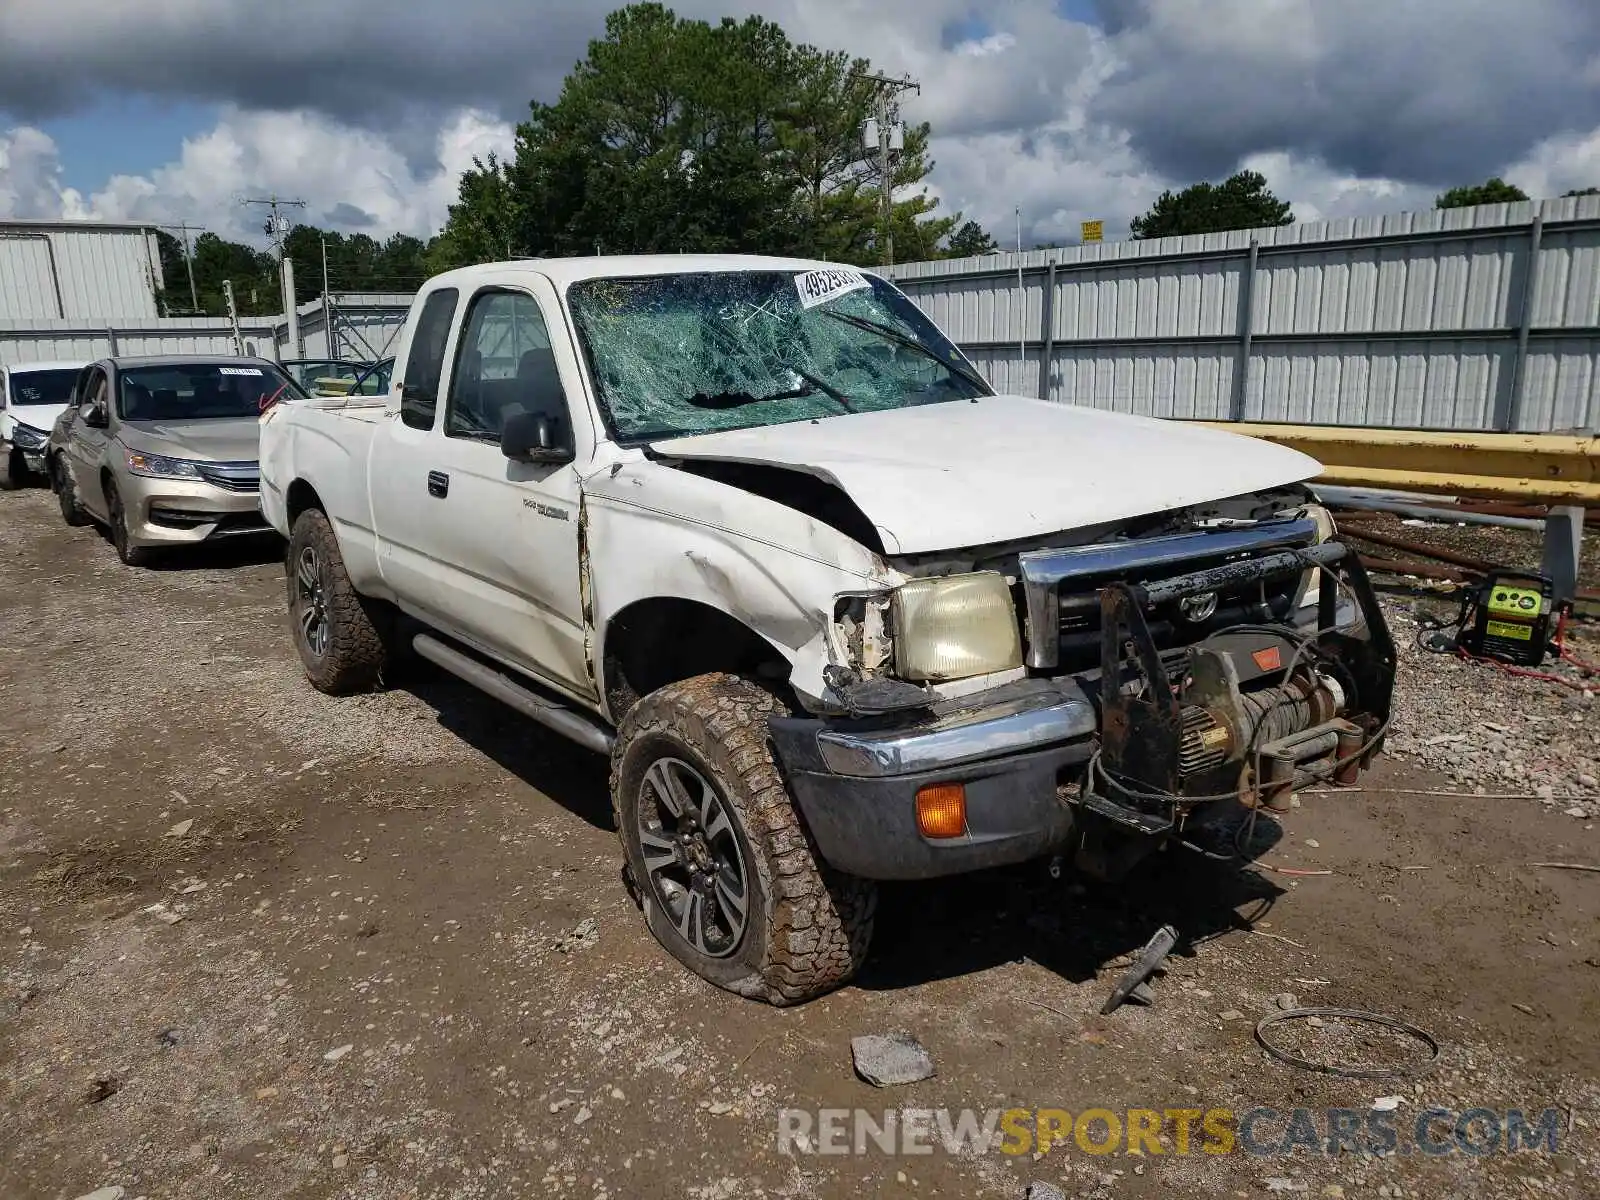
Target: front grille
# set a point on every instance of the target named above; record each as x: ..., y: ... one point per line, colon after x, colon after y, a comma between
x: 232, y: 476
x: 1061, y: 589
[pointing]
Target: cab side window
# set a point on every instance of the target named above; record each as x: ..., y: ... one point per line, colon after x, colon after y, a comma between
x: 504, y: 364
x: 419, y: 398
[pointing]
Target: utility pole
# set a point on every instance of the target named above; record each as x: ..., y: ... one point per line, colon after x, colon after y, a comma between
x: 183, y: 230
x: 277, y: 225
x: 327, y: 312
x: 886, y: 108
x: 277, y: 228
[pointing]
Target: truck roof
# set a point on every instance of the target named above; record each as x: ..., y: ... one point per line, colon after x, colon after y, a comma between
x: 562, y: 271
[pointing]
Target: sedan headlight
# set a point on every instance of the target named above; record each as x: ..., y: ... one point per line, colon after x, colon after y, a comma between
x: 955, y: 627
x: 26, y: 437
x: 159, y: 466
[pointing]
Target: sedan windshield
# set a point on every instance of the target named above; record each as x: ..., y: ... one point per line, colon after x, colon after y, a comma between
x: 42, y: 387
x: 194, y: 391
x: 695, y: 353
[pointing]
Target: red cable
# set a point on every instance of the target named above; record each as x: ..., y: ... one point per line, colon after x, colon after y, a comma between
x: 1522, y: 671
x: 1588, y: 668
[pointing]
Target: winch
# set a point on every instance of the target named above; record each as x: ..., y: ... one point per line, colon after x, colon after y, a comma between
x: 1245, y: 716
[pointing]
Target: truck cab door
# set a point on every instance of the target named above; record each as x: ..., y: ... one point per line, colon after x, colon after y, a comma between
x: 501, y: 536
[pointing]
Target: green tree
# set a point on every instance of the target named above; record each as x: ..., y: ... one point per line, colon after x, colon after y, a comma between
x: 678, y: 135
x: 1490, y: 191
x: 1241, y: 201
x: 1588, y: 191
x: 969, y: 239
x: 485, y: 222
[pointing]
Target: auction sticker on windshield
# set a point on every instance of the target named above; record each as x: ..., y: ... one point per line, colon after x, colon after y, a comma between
x: 818, y: 287
x: 239, y: 370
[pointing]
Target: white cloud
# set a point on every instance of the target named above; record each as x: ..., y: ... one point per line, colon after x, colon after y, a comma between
x: 350, y: 178
x: 1319, y: 193
x: 30, y: 175
x: 1559, y: 164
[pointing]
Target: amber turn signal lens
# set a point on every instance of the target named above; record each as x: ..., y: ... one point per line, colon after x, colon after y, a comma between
x: 942, y: 810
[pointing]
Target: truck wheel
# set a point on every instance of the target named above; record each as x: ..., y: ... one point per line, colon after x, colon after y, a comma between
x: 66, y: 495
x: 716, y: 856
x: 133, y: 556
x: 340, y: 642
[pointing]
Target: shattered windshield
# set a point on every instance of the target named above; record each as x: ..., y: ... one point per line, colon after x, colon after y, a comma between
x: 691, y: 353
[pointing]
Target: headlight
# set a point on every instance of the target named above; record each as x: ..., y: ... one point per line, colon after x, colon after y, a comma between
x: 955, y: 627
x: 161, y: 467
x: 26, y: 437
x: 1326, y: 530
x: 1311, y: 581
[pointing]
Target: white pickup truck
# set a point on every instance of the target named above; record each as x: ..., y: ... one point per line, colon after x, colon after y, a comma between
x: 837, y: 611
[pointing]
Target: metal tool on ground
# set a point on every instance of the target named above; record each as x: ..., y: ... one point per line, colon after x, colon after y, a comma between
x: 1135, y: 982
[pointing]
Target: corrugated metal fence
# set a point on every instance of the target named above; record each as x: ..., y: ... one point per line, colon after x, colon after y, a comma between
x: 364, y: 327
x: 72, y: 341
x: 1482, y: 318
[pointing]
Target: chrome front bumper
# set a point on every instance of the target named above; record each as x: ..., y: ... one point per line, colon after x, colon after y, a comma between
x: 856, y: 782
x: 1024, y: 718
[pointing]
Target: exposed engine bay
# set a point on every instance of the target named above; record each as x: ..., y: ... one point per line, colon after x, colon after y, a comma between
x: 1234, y: 654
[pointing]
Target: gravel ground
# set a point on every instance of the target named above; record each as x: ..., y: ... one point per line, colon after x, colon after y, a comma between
x: 257, y: 942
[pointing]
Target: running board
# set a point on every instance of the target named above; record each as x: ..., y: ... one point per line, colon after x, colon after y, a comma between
x: 569, y: 724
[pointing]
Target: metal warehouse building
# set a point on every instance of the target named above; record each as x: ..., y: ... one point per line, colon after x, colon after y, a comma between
x: 78, y: 271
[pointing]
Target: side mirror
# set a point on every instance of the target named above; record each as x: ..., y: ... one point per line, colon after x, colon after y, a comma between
x: 532, y: 437
x: 95, y: 417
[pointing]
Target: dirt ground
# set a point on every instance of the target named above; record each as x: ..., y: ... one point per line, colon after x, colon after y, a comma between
x: 257, y: 942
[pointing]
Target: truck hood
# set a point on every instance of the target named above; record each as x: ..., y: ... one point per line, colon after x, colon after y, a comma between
x: 1002, y: 468
x: 37, y: 416
x: 212, y: 439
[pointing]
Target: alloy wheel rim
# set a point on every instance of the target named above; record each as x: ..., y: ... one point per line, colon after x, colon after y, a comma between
x: 693, y: 857
x: 311, y: 601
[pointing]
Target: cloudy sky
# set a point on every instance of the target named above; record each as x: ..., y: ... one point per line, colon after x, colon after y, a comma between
x: 170, y: 110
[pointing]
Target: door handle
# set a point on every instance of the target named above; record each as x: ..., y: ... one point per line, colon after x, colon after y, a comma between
x: 438, y: 484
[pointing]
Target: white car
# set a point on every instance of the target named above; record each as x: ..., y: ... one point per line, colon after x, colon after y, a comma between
x: 837, y: 611
x: 32, y: 396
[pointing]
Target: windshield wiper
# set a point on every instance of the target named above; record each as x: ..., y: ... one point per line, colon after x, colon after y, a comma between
x: 892, y: 334
x: 723, y: 400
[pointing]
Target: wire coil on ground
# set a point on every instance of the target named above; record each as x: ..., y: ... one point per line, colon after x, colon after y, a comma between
x: 1349, y: 1014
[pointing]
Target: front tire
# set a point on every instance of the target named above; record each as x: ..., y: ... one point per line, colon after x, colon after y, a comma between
x: 339, y: 637
x: 130, y: 554
x: 716, y: 855
x: 66, y: 494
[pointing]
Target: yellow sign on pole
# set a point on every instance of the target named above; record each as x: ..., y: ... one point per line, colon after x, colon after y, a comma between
x: 1094, y: 231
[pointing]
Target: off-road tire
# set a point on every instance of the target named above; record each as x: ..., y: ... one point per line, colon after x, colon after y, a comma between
x: 117, y: 523
x: 809, y: 925
x: 66, y: 494
x: 357, y: 648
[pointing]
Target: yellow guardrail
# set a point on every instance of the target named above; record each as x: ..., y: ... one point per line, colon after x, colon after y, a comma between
x: 1540, y: 468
